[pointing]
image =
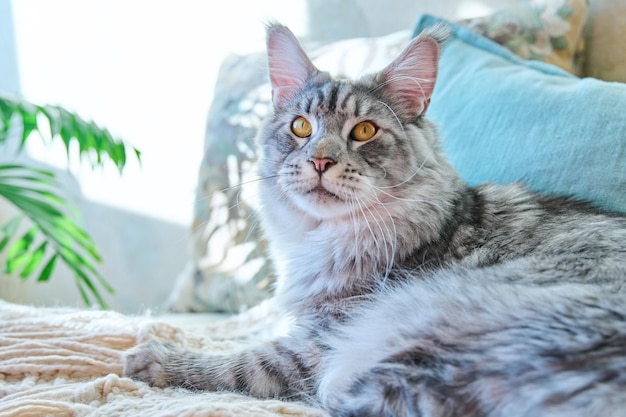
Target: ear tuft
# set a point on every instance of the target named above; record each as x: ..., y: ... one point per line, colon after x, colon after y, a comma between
x: 289, y: 66
x: 408, y: 82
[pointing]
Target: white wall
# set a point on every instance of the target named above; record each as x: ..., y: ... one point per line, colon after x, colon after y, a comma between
x: 9, y: 79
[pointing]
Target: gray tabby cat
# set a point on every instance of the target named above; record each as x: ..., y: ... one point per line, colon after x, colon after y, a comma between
x: 414, y: 294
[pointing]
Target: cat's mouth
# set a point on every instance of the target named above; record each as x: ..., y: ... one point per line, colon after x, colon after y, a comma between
x: 322, y: 192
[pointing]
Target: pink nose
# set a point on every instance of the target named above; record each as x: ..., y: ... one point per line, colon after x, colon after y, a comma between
x: 321, y: 164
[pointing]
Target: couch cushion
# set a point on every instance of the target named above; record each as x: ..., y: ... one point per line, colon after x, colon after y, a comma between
x: 504, y: 119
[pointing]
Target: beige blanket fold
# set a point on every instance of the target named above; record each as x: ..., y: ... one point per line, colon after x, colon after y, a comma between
x: 67, y: 362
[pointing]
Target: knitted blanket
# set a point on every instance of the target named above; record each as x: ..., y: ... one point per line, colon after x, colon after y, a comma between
x: 67, y: 362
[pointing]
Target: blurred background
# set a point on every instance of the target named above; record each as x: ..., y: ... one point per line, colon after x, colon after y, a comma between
x: 146, y: 70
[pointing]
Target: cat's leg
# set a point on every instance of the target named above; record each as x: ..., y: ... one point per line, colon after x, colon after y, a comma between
x: 272, y: 370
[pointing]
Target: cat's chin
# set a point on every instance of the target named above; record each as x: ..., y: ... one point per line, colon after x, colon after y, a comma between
x: 323, y: 195
x: 322, y: 204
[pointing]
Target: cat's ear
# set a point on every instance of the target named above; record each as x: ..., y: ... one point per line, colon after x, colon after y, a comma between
x: 408, y: 82
x: 289, y: 66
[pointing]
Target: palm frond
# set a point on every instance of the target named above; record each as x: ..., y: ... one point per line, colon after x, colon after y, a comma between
x: 54, y: 234
x: 95, y: 144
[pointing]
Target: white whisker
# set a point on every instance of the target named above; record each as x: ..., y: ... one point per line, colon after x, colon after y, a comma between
x: 389, y: 236
x: 396, y: 117
x: 409, y: 178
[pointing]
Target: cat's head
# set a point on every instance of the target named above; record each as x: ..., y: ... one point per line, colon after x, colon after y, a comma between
x: 336, y: 148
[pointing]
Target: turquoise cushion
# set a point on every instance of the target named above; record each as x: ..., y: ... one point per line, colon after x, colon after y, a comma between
x: 503, y: 119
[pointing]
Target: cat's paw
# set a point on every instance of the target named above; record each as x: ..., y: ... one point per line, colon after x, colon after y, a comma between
x: 147, y: 361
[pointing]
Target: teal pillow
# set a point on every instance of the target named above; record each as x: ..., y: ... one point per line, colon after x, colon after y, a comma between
x: 503, y: 119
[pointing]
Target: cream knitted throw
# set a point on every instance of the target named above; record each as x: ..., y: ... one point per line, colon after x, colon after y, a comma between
x: 67, y: 362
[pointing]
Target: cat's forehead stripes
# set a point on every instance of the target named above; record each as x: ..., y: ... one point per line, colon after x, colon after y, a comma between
x: 331, y: 97
x: 344, y: 103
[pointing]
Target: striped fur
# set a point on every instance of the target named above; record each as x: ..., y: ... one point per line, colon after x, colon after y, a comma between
x: 414, y: 294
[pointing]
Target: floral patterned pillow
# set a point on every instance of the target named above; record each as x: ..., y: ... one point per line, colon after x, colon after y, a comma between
x: 549, y: 31
x: 228, y: 269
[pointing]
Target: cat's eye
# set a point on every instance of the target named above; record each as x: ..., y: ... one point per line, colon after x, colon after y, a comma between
x: 301, y: 127
x: 363, y: 131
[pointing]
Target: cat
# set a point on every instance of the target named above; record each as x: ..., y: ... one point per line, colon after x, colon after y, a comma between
x: 414, y: 294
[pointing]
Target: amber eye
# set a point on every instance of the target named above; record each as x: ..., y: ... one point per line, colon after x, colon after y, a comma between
x: 363, y: 131
x: 301, y: 127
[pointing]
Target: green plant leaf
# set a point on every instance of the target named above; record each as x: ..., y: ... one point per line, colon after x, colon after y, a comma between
x: 3, y: 243
x: 36, y: 193
x: 7, y: 111
x: 13, y: 264
x: 83, y: 294
x: 28, y: 113
x: 22, y: 245
x: 35, y: 260
x: 9, y: 229
x: 83, y: 280
x: 18, y: 167
x: 96, y: 144
x: 48, y: 269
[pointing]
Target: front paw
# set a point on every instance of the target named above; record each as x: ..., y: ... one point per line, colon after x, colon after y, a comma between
x: 147, y: 362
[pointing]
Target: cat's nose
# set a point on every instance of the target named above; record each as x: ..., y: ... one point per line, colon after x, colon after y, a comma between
x: 322, y: 164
